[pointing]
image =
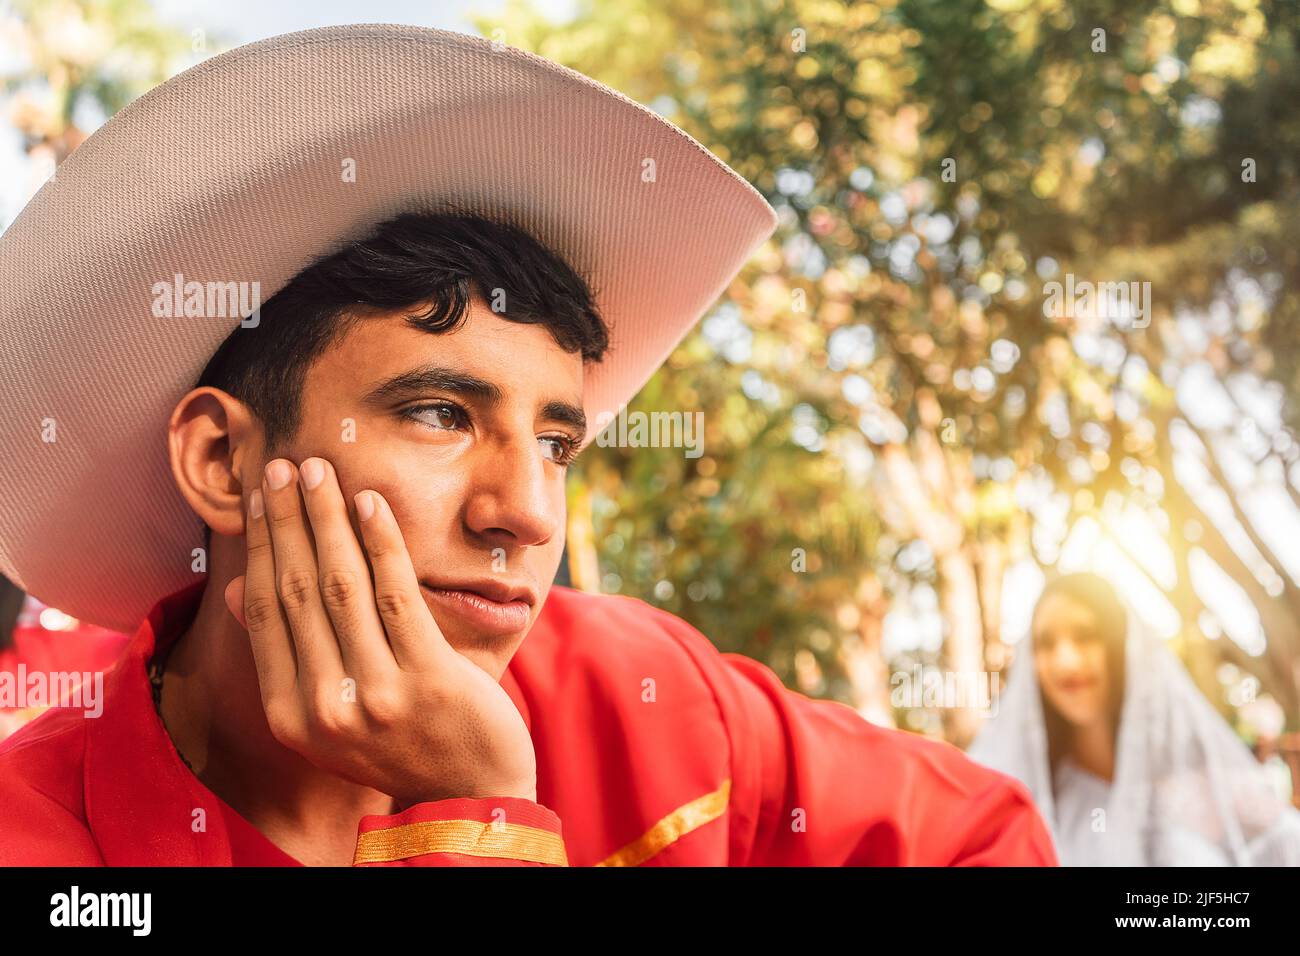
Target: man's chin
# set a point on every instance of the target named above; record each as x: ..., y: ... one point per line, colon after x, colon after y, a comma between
x: 493, y: 662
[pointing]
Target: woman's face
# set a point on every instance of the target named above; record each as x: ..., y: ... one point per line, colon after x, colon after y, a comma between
x: 1070, y: 658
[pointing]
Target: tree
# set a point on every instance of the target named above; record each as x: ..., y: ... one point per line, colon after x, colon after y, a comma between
x: 80, y: 54
x: 888, y: 362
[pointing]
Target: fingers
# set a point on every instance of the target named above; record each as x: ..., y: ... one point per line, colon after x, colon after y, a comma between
x: 268, y: 631
x: 412, y: 632
x: 344, y: 576
x: 296, y: 580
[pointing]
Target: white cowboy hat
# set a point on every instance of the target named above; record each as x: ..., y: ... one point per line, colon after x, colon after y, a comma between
x: 238, y: 170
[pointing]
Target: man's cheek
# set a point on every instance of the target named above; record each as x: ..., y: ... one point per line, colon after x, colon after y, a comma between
x: 369, y: 472
x: 429, y: 525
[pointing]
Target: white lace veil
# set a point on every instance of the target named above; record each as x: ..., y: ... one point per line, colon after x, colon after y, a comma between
x: 1186, y: 790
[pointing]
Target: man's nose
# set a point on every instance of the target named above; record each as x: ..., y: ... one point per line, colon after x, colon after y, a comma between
x: 512, y: 498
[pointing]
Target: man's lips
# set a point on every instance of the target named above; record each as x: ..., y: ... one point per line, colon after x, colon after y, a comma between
x: 495, y: 606
x: 498, y: 590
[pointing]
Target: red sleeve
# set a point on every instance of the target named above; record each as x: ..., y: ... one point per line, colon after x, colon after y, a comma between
x: 38, y: 831
x: 492, y: 831
x: 42, y: 813
x: 837, y: 790
x: 813, y: 783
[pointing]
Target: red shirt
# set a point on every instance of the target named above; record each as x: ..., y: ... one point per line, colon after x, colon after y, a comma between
x: 36, y: 649
x: 652, y: 748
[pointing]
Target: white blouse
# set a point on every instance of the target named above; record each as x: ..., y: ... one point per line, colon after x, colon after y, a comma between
x: 1082, y: 804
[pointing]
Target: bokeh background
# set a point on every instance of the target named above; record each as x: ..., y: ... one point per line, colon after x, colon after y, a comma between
x: 899, y: 444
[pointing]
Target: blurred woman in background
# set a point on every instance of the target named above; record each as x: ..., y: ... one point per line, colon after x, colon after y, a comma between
x: 1127, y: 761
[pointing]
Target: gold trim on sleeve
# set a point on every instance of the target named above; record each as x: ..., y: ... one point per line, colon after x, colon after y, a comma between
x: 672, y: 828
x: 507, y: 841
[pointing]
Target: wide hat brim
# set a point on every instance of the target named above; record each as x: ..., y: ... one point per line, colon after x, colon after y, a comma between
x: 234, y: 171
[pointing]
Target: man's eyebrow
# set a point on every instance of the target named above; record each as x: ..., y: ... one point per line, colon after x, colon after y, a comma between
x: 443, y: 379
x: 567, y: 414
x: 434, y: 378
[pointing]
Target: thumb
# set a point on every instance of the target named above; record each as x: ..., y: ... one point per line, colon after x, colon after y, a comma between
x: 235, y: 600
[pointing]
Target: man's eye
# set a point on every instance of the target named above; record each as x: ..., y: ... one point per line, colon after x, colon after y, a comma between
x: 441, y: 415
x: 444, y: 416
x: 562, y: 450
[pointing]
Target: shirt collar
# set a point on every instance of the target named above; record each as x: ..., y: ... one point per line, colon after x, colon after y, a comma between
x: 143, y: 805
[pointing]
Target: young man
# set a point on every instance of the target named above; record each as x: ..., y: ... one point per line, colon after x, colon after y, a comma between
x: 366, y: 662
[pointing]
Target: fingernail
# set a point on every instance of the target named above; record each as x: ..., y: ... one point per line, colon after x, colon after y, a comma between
x: 255, y: 504
x: 312, y: 473
x: 365, y: 505
x: 278, y: 474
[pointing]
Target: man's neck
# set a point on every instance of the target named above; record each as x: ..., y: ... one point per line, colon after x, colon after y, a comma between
x: 212, y: 708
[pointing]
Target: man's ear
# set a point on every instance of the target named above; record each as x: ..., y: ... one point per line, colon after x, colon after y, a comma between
x: 210, y: 435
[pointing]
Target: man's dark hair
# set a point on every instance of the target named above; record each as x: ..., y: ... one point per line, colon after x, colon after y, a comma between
x: 431, y: 261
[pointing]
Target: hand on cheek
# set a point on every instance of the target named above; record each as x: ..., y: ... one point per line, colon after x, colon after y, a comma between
x: 354, y: 672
